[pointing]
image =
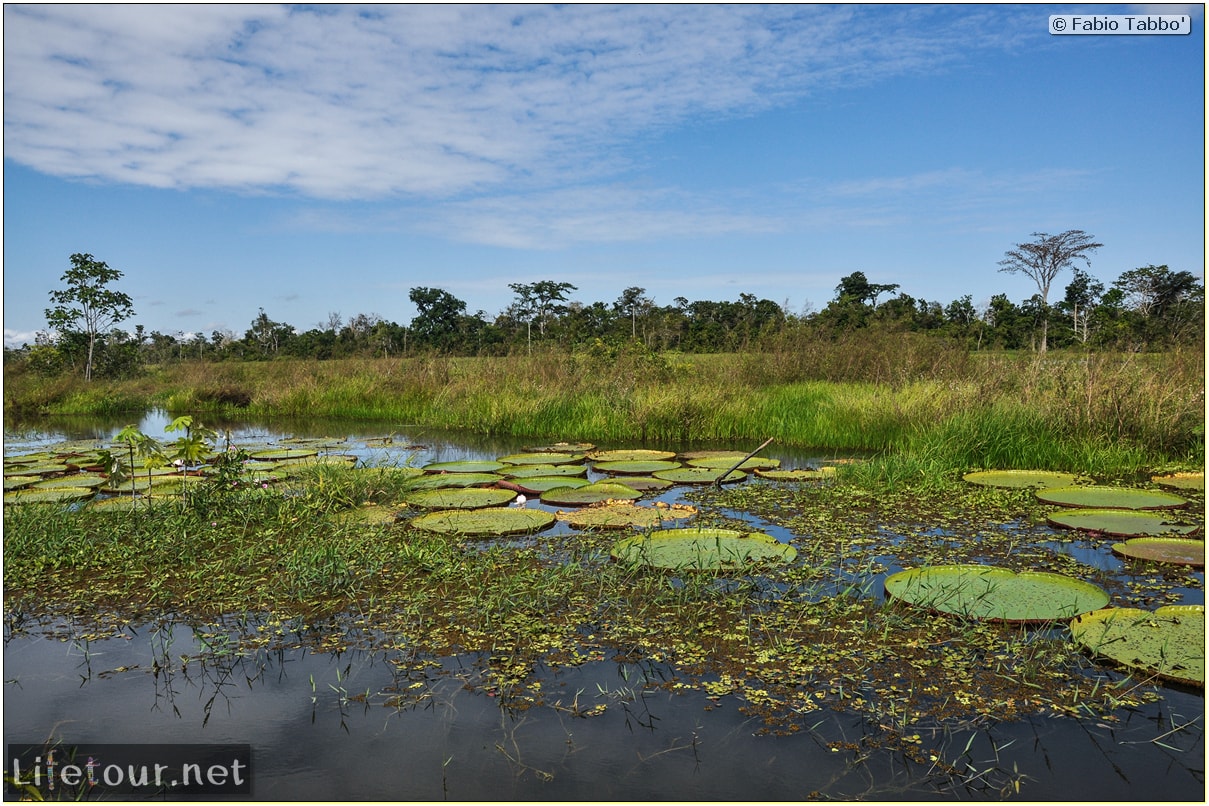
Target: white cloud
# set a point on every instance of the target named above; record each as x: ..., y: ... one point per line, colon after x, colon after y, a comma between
x: 432, y: 101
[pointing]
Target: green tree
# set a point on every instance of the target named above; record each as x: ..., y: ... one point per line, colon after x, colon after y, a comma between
x: 633, y: 302
x: 439, y: 322
x: 87, y: 305
x: 1043, y: 259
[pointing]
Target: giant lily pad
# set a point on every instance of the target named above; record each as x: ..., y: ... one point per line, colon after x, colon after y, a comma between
x: 460, y: 498
x: 1118, y: 522
x: 1020, y: 478
x: 702, y: 549
x: 57, y: 495
x: 434, y: 481
x: 1181, y: 481
x: 590, y: 494
x: 996, y: 594
x: 1169, y: 643
x: 1174, y: 550
x: 642, y: 483
x: 541, y: 484
x: 490, y: 522
x: 542, y: 458
x: 636, y: 455
x: 727, y: 462
x: 626, y: 514
x: 1110, y: 498
x: 285, y: 453
x: 544, y: 471
x: 464, y: 466
x: 635, y: 468
x: 92, y: 480
x: 41, y: 469
x: 796, y: 475
x: 699, y: 475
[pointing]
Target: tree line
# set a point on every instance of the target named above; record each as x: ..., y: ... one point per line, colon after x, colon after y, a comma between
x: 1144, y: 309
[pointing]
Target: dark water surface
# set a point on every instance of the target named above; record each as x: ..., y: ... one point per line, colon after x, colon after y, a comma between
x: 361, y: 725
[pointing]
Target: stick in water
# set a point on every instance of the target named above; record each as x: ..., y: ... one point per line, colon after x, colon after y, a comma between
x: 718, y: 481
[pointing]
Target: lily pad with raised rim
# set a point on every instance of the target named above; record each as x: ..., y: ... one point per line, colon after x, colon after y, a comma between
x: 1174, y: 550
x: 464, y: 466
x: 726, y: 462
x: 542, y: 484
x: 561, y: 447
x: 822, y: 474
x: 490, y: 522
x: 1181, y: 481
x: 460, y: 498
x: 541, y: 458
x: 1169, y: 642
x: 636, y: 455
x: 435, y: 481
x: 93, y: 480
x: 699, y: 475
x: 635, y: 468
x: 1118, y: 522
x: 1110, y: 498
x: 702, y: 549
x: 544, y: 471
x: 627, y: 514
x: 285, y: 453
x: 996, y: 594
x: 58, y: 495
x: 589, y: 494
x: 40, y: 469
x: 1020, y: 478
x: 644, y: 484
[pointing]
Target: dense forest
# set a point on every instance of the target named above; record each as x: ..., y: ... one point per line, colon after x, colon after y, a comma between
x: 1146, y: 309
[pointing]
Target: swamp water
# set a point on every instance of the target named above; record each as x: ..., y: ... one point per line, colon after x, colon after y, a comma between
x: 357, y: 724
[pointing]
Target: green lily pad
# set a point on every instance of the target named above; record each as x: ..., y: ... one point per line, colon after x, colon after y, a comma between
x: 702, y: 549
x: 460, y: 498
x: 589, y: 494
x: 491, y: 522
x: 635, y: 468
x: 121, y: 503
x: 821, y: 474
x: 57, y: 495
x: 92, y: 480
x: 1118, y: 522
x: 285, y: 453
x: 541, y: 458
x: 699, y: 475
x: 626, y: 514
x: 1174, y: 550
x: 541, y: 484
x: 1020, y: 478
x: 1181, y: 481
x: 435, y: 481
x: 637, y: 455
x: 562, y: 447
x: 1110, y: 498
x: 1169, y: 643
x: 464, y: 466
x: 727, y: 462
x: 39, y: 469
x: 370, y: 515
x: 996, y: 594
x: 643, y: 484
x: 545, y: 471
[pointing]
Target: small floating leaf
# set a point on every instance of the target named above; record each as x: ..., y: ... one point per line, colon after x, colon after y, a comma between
x: 489, y: 522
x: 1174, y: 550
x: 1170, y: 642
x: 1110, y: 498
x: 460, y: 498
x: 1118, y: 522
x: 1020, y: 478
x: 702, y: 549
x: 996, y: 594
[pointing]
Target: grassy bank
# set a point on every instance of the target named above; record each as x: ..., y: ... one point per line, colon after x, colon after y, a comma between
x: 926, y: 412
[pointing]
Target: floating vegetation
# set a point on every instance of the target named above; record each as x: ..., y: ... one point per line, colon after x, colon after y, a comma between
x: 563, y: 447
x: 1110, y: 498
x: 635, y: 468
x: 1020, y: 478
x: 1174, y: 550
x: 92, y: 480
x: 996, y: 594
x: 542, y: 458
x: 700, y: 475
x: 56, y: 495
x: 1181, y: 481
x: 626, y: 514
x: 434, y: 481
x: 1119, y: 522
x: 460, y: 498
x: 821, y: 474
x: 643, y: 483
x: 464, y: 466
x: 285, y: 453
x: 492, y: 522
x: 528, y: 471
x: 702, y: 549
x: 589, y: 494
x: 541, y: 484
x: 1168, y: 642
x: 636, y: 455
x: 728, y: 462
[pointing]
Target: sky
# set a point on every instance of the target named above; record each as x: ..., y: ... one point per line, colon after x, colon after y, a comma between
x: 318, y: 160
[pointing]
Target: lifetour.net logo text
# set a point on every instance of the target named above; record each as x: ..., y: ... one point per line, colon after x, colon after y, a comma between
x: 67, y: 770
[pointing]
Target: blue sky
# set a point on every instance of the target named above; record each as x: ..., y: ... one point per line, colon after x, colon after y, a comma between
x: 320, y: 159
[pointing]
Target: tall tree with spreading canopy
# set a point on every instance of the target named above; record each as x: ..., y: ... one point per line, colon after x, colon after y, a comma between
x: 87, y: 305
x: 1042, y: 260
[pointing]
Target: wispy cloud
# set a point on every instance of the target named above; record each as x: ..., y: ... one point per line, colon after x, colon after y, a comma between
x: 427, y: 102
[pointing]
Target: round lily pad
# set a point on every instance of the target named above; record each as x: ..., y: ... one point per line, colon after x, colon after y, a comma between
x: 1118, y: 522
x: 702, y: 549
x: 1174, y: 550
x: 545, y: 471
x: 562, y: 447
x: 727, y: 462
x: 92, y: 480
x: 635, y: 468
x: 434, y: 481
x: 465, y: 466
x: 1169, y: 643
x: 460, y: 498
x: 636, y: 455
x: 58, y: 495
x: 1020, y: 478
x: 590, y: 494
x: 1181, y: 481
x: 996, y: 594
x: 626, y: 514
x: 17, y: 482
x: 285, y: 453
x: 796, y: 475
x: 40, y: 469
x: 490, y: 522
x: 699, y: 475
x: 541, y: 458
x: 1110, y: 498
x: 541, y: 484
x: 642, y: 483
